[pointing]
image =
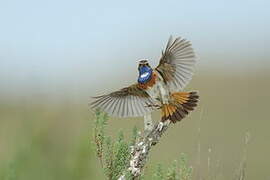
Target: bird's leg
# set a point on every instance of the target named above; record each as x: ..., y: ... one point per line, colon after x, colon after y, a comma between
x: 162, y: 124
x: 148, y: 124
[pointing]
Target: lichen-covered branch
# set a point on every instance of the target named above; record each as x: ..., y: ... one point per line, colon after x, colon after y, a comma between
x: 141, y: 149
x: 121, y: 159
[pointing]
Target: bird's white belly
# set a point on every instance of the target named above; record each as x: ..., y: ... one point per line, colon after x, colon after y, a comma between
x: 159, y: 91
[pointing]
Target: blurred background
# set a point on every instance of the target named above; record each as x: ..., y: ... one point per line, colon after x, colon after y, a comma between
x: 55, y: 55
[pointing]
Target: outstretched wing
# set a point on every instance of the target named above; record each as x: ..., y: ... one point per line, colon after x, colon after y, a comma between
x: 177, y: 63
x: 131, y: 101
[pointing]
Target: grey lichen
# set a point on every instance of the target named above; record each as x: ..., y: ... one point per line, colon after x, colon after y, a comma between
x: 125, y: 160
x: 141, y: 149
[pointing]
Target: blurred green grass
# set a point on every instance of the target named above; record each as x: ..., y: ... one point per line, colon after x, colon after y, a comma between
x: 43, y: 140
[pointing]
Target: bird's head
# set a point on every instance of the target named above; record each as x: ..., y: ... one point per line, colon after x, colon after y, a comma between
x: 145, y: 71
x: 143, y: 63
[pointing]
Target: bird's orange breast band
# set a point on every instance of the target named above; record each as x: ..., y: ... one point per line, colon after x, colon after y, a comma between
x: 149, y: 83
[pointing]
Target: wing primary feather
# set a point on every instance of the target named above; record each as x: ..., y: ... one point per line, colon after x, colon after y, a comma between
x: 129, y: 111
x: 119, y: 112
x: 185, y: 55
x: 96, y: 101
x: 185, y: 69
x: 128, y: 114
x: 175, y: 82
x: 96, y: 97
x: 169, y: 42
x: 138, y: 103
x: 189, y: 56
x: 180, y: 56
x: 186, y: 78
x: 111, y: 105
x: 184, y: 45
x: 127, y: 106
x: 181, y: 81
x: 132, y: 106
x: 135, y: 109
x: 124, y: 107
x: 179, y: 43
x: 105, y: 103
x: 173, y: 44
x: 108, y: 105
x: 186, y: 50
x: 189, y: 62
x: 102, y: 104
x: 115, y: 108
x: 141, y: 107
x: 99, y: 101
x: 179, y: 77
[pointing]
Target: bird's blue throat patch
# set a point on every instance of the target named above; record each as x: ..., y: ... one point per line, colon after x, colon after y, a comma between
x: 145, y: 74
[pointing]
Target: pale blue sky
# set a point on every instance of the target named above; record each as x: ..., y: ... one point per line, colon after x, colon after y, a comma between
x: 71, y: 43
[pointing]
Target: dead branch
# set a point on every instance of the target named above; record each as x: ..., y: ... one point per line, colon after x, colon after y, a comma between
x: 141, y: 149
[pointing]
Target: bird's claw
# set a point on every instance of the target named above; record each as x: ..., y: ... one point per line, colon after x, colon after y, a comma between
x: 153, y: 105
x: 160, y: 126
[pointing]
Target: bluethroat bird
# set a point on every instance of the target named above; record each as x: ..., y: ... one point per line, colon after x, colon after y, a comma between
x: 157, y: 88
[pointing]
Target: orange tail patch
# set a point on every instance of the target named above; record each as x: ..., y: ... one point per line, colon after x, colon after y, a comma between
x: 181, y: 104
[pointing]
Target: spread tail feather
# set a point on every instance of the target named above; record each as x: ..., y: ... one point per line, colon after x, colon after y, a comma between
x: 181, y: 104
